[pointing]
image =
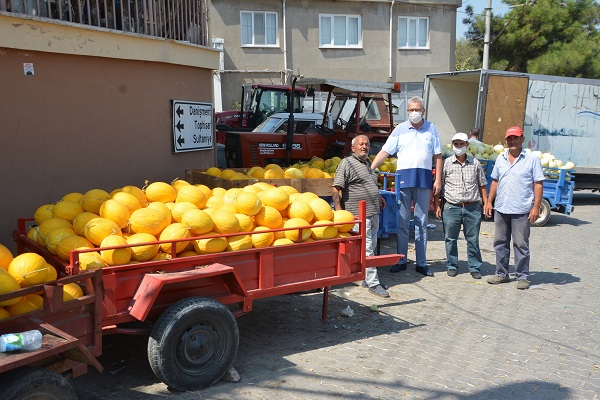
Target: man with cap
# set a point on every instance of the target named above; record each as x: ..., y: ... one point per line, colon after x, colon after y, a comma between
x: 464, y: 187
x: 517, y: 187
x: 474, y: 136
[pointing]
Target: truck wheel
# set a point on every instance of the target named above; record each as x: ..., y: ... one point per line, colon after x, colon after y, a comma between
x: 193, y: 343
x: 545, y: 211
x: 35, y: 383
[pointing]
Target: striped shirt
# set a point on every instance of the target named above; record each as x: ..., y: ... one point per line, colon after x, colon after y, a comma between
x: 461, y: 182
x: 358, y: 182
x: 415, y: 149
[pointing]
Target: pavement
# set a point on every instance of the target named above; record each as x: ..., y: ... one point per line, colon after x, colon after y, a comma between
x: 434, y: 338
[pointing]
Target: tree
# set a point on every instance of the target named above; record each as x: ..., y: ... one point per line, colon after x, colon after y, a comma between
x: 467, y: 56
x: 555, y: 37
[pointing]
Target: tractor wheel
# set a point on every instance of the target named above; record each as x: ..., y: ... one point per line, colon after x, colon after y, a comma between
x: 193, y: 343
x: 545, y: 211
x: 35, y: 383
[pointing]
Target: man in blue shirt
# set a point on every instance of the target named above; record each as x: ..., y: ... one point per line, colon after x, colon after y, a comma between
x: 517, y: 187
x: 416, y: 143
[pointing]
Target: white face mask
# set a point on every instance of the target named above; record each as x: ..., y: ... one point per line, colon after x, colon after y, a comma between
x: 459, y: 151
x: 415, y: 117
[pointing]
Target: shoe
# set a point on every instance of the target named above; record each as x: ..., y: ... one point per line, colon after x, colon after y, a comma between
x: 452, y: 272
x: 424, y: 271
x: 365, y: 285
x: 522, y: 284
x: 379, y: 291
x: 398, y: 268
x: 496, y: 279
x: 476, y: 275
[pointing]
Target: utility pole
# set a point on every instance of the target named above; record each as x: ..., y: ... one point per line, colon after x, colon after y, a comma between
x: 486, y: 42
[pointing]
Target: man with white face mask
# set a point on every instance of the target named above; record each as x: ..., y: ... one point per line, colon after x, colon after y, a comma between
x: 416, y: 143
x: 464, y: 186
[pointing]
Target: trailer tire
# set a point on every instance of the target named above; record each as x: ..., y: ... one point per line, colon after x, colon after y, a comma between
x: 193, y: 343
x: 545, y: 211
x: 35, y: 383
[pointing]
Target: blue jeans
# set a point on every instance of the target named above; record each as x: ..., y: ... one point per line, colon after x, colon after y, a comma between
x: 453, y: 217
x: 371, y: 276
x: 516, y: 226
x: 421, y: 199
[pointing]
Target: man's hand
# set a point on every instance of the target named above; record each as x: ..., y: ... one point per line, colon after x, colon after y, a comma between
x: 382, y: 202
x: 534, y: 214
x: 437, y: 187
x: 487, y: 209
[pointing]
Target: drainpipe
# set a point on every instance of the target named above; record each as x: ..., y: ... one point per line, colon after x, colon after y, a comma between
x: 391, y: 37
x: 284, y: 42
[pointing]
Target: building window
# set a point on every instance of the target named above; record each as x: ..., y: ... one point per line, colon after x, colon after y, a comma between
x: 340, y: 31
x: 259, y: 28
x: 413, y: 33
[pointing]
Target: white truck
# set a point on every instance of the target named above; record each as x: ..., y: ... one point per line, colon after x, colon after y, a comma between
x: 558, y: 115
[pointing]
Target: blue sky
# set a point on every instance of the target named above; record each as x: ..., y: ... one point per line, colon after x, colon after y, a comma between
x: 479, y: 6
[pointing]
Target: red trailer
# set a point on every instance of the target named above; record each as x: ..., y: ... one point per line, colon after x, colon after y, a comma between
x: 187, y: 306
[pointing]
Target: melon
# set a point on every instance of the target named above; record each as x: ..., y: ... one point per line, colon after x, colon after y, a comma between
x: 307, y: 196
x: 227, y: 173
x: 229, y: 207
x: 205, y: 189
x: 294, y: 234
x: 300, y: 209
x: 282, y: 241
x: 231, y: 195
x: 73, y: 196
x: 4, y: 314
x: 56, y: 236
x: 246, y: 223
x: 263, y: 185
x: 128, y: 199
x: 99, y: 228
x: 314, y: 173
x: 323, y: 232
x: 187, y: 253
x: 67, y: 210
x: 49, y: 225
x: 82, y: 219
x: 142, y: 252
x: 8, y: 284
x: 288, y: 189
x: 162, y: 207
x: 239, y: 242
x: 27, y: 304
x: 225, y: 222
x: 269, y: 217
x: 160, y: 191
x: 247, y: 203
x: 293, y: 173
x: 213, y: 171
x: 251, y: 189
x: 43, y: 213
x: 344, y: 216
x: 198, y: 221
x: 149, y: 220
x: 179, y: 183
x: 71, y: 291
x: 210, y: 245
x: 321, y: 209
x: 137, y: 192
x: 161, y: 256
x: 261, y: 238
x: 93, y: 199
x: 116, y: 211
x: 5, y: 257
x: 90, y: 260
x: 191, y: 194
x: 29, y: 269
x: 276, y: 198
x: 115, y: 256
x: 219, y: 191
x: 64, y: 247
x: 52, y: 273
x: 215, y: 202
x: 179, y: 208
x: 175, y: 231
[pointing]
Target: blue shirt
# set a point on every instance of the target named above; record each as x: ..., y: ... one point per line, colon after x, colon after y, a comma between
x: 514, y: 194
x: 415, y: 149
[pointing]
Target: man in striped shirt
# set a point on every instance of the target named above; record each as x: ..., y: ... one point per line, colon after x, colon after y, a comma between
x: 464, y: 186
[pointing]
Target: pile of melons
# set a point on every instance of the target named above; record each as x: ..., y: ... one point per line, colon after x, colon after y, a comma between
x: 316, y: 168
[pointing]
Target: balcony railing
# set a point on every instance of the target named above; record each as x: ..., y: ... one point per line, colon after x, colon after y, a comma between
x: 183, y: 20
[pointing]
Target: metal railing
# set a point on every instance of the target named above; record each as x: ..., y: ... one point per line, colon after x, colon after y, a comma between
x: 183, y: 20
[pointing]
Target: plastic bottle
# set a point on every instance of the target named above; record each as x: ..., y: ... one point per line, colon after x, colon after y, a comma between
x: 29, y: 340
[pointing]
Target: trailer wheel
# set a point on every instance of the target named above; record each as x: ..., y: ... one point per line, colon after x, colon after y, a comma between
x: 193, y: 343
x: 545, y: 211
x: 35, y: 383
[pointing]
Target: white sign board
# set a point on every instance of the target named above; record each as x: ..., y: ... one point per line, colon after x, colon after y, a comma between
x: 192, y: 126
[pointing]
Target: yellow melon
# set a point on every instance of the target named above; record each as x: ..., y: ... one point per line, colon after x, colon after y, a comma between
x: 73, y: 196
x: 238, y: 176
x: 43, y: 213
x: 82, y: 219
x: 8, y: 284
x: 214, y: 202
x: 149, y: 220
x: 343, y: 234
x: 4, y: 314
x: 213, y: 171
x: 33, y: 233
x: 225, y: 222
x: 128, y: 200
x: 205, y: 189
x: 321, y: 209
x: 93, y: 199
x: 276, y: 198
x: 300, y: 209
x: 179, y: 183
x: 294, y: 197
x: 269, y: 217
x: 67, y: 210
x: 6, y: 257
x: 175, y: 231
x: 294, y: 234
x: 248, y: 203
x: 262, y: 239
x: 231, y: 195
x: 229, y: 207
x: 64, y: 247
x: 239, y: 242
x: 323, y: 232
x: 160, y: 256
x: 273, y: 166
x: 52, y: 273
x: 191, y: 194
x: 98, y: 228
x: 274, y: 174
x: 160, y: 191
x: 27, y: 304
x: 293, y: 173
x: 307, y: 196
x: 162, y: 207
x: 49, y: 225
x: 344, y: 216
x: 314, y: 173
x: 71, y: 291
x: 187, y: 253
x: 280, y: 234
x: 258, y: 173
x: 90, y: 260
x: 137, y: 192
x: 56, y: 236
x: 198, y: 221
x: 226, y: 173
x: 246, y: 223
x: 116, y: 211
x: 142, y: 252
x: 115, y: 256
x: 210, y: 245
x: 288, y: 189
x: 219, y: 191
x: 251, y: 188
x: 282, y: 242
x: 28, y: 269
x: 179, y: 208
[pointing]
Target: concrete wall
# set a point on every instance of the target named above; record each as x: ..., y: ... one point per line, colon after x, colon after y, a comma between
x: 94, y: 119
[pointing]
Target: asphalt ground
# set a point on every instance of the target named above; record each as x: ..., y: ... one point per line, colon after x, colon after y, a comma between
x: 434, y: 338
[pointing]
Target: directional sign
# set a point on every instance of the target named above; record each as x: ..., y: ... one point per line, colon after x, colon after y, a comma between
x: 192, y: 126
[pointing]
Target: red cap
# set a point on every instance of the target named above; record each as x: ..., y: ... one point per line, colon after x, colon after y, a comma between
x: 513, y: 131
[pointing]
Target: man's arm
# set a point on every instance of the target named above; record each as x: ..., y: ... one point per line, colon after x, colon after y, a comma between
x: 490, y: 199
x: 335, y: 194
x: 538, y: 192
x: 382, y: 155
x: 437, y: 185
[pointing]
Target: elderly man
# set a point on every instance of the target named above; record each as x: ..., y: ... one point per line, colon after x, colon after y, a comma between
x: 354, y: 181
x: 464, y: 186
x: 517, y: 187
x: 416, y: 143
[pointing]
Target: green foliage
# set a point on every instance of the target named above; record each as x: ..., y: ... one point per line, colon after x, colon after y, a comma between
x: 467, y: 56
x: 554, y: 37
